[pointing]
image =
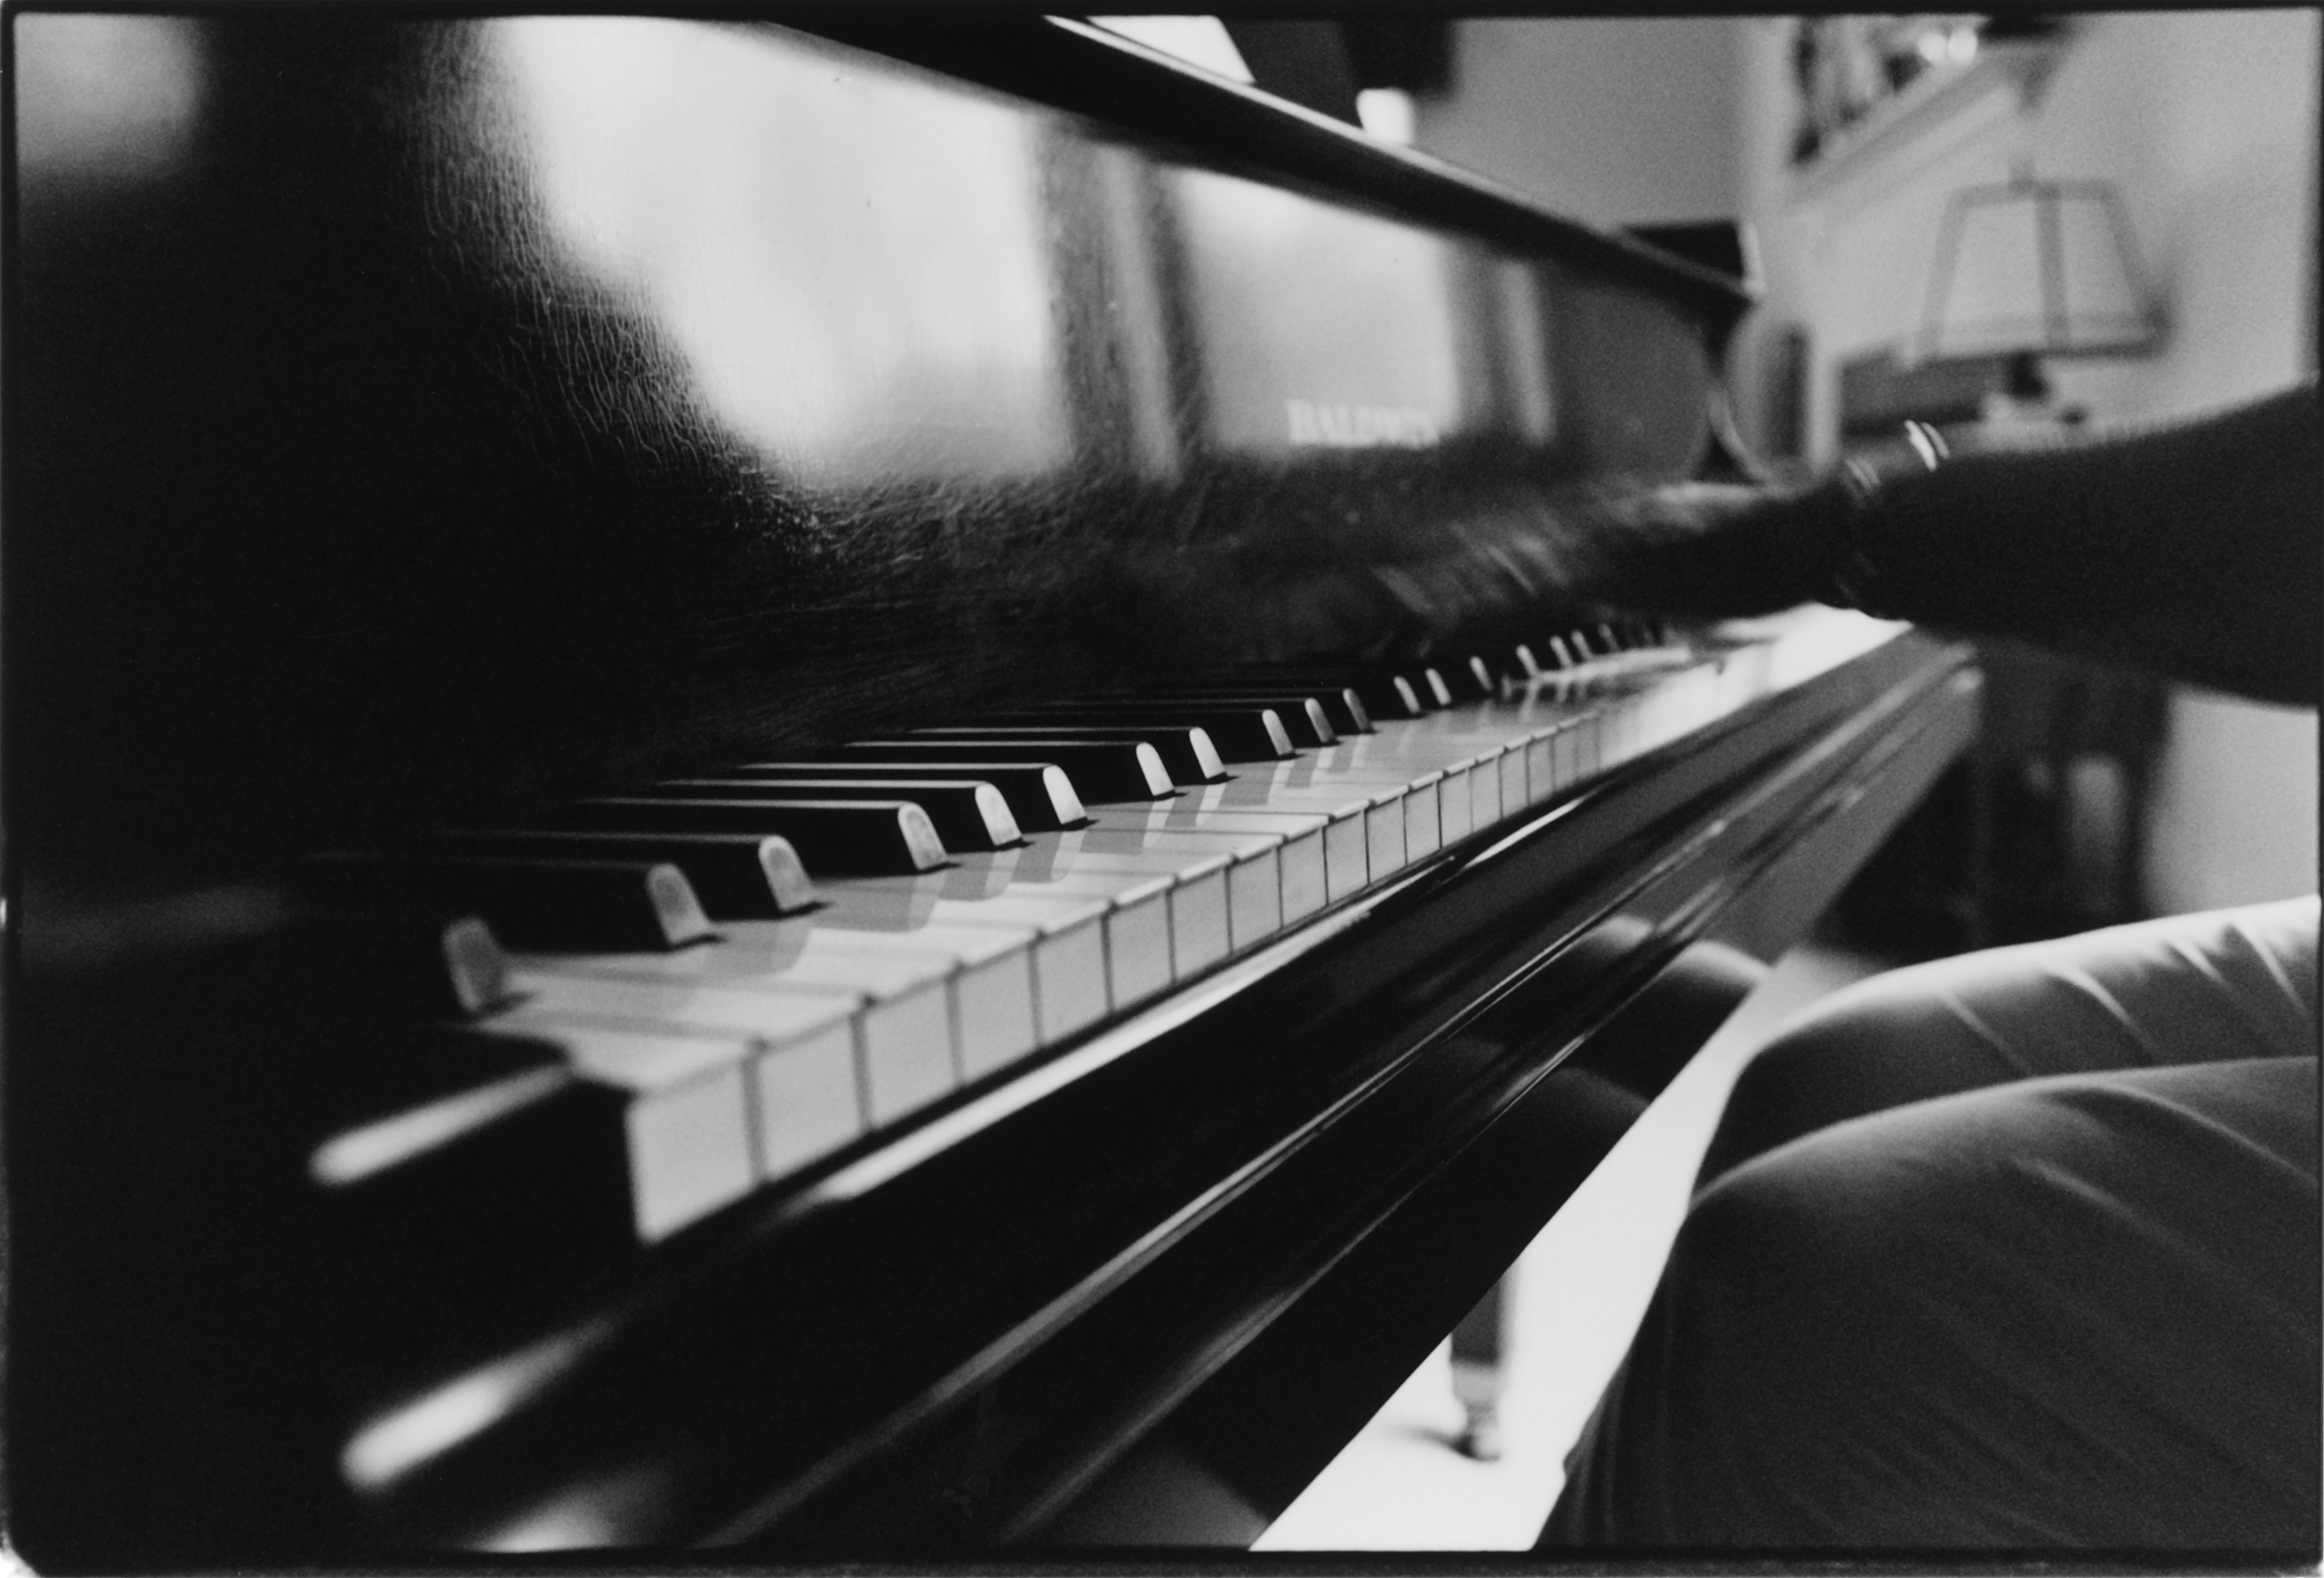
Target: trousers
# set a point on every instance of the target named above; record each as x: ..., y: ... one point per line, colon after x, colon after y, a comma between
x: 2012, y: 1253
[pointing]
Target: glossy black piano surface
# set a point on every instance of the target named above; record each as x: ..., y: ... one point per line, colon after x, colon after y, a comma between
x: 419, y: 424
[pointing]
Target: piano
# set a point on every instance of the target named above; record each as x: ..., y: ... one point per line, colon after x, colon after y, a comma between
x: 746, y: 823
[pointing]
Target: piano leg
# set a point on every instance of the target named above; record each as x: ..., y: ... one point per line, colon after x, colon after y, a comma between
x: 1479, y: 1346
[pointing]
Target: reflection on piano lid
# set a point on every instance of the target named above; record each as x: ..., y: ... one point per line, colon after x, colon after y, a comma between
x: 726, y: 827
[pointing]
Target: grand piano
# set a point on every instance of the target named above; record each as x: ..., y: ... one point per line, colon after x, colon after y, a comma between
x: 771, y: 796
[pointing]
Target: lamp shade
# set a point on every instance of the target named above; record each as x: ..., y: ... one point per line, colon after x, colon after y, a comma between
x: 2036, y: 266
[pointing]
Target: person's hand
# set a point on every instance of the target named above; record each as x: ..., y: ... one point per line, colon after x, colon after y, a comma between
x: 1702, y: 549
x: 1531, y: 564
x: 1693, y: 550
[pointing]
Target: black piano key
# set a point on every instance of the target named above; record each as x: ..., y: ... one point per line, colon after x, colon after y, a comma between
x: 1185, y: 751
x: 1041, y: 797
x: 1102, y: 770
x: 1339, y: 707
x: 407, y: 964
x: 1239, y: 733
x: 1394, y: 697
x: 737, y: 876
x: 833, y: 838
x: 1388, y: 690
x: 543, y: 902
x: 1306, y: 721
x: 969, y: 814
x: 1472, y: 678
x: 1425, y: 682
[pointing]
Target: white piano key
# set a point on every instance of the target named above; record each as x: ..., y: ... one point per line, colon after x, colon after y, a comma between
x: 1486, y: 770
x: 1383, y: 839
x: 1567, y: 758
x: 1132, y: 933
x: 809, y: 1100
x: 1071, y: 988
x: 905, y: 1032
x: 1411, y: 799
x: 1198, y: 937
x: 549, y: 1001
x: 1300, y: 858
x: 1075, y: 993
x: 1345, y: 808
x: 1541, y: 779
x: 1347, y: 857
x: 991, y: 990
x: 1423, y: 829
x: 1381, y: 831
x: 688, y: 1120
x: 902, y: 987
x: 1507, y: 771
x: 1037, y: 944
x: 909, y: 1055
x: 904, y: 1029
x: 1611, y: 733
x: 1335, y: 806
x: 1254, y: 882
x: 1455, y: 801
x: 1500, y: 735
x: 1306, y: 886
x: 1499, y: 781
x: 996, y: 1021
x: 1254, y: 900
x: 1391, y: 762
x: 1138, y: 928
x: 1196, y: 900
x: 690, y: 1151
x: 1137, y: 943
x: 1048, y: 856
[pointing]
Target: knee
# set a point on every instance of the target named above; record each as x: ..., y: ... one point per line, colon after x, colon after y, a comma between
x: 1830, y: 1066
x: 1893, y: 1039
x: 1792, y: 1220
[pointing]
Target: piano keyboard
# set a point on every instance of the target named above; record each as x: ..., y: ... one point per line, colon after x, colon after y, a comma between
x: 925, y: 967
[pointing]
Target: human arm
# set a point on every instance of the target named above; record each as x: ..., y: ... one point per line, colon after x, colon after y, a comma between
x: 2195, y: 548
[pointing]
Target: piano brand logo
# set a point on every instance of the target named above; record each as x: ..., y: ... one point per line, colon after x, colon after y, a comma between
x: 1335, y: 424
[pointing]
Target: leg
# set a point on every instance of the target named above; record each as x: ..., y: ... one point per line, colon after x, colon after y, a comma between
x: 2079, y: 1311
x: 2185, y: 989
x: 2011, y: 1316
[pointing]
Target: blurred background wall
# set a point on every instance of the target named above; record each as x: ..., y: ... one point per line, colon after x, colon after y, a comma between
x: 2206, y: 122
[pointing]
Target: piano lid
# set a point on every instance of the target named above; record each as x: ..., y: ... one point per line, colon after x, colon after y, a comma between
x: 422, y: 416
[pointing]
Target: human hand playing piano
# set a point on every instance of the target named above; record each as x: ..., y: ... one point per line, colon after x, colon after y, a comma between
x: 1512, y: 567
x: 1717, y: 549
x: 2189, y: 546
x: 1692, y: 549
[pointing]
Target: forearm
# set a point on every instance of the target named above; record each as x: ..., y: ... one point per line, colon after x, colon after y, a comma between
x: 2196, y: 548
